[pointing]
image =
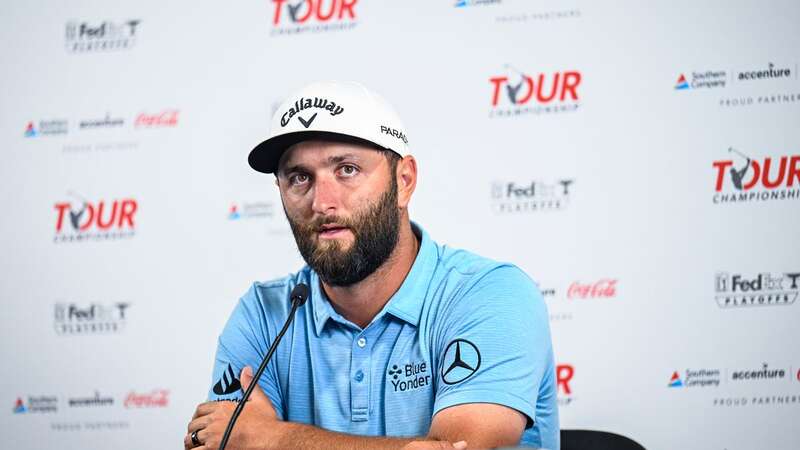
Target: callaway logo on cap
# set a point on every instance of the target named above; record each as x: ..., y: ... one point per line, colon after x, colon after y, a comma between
x: 330, y: 110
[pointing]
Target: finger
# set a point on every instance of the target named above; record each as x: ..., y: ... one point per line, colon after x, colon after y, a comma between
x: 460, y: 445
x: 198, y: 424
x: 246, y: 377
x: 204, y: 409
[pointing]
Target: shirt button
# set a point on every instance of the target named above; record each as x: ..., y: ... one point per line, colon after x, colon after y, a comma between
x: 361, y: 343
x: 359, y: 376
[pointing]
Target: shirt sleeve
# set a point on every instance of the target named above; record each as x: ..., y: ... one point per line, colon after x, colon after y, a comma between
x: 494, y: 345
x: 244, y: 342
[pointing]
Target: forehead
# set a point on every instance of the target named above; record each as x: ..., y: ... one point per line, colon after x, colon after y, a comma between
x: 317, y: 152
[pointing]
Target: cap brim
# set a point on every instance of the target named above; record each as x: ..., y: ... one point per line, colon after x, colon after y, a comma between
x: 266, y: 155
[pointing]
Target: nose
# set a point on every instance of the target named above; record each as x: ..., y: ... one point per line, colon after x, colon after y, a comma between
x: 326, y: 196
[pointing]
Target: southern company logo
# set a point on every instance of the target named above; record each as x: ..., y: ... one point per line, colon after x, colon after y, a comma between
x: 695, y: 378
x: 465, y: 3
x: 748, y: 179
x: 40, y: 404
x: 312, y: 16
x: 99, y: 221
x: 764, y: 289
x: 250, y: 210
x: 708, y: 79
x: 518, y: 93
x: 95, y: 318
x: 83, y: 37
x: 46, y: 128
x: 512, y: 197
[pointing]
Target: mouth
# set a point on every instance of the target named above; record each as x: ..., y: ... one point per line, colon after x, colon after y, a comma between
x: 331, y: 231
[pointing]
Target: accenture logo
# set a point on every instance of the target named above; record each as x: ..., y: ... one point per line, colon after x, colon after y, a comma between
x: 105, y: 122
x: 84, y: 220
x: 744, y: 178
x: 517, y: 93
x: 88, y: 402
x: 292, y: 17
x: 763, y: 373
x: 523, y: 197
x: 763, y: 289
x: 83, y: 37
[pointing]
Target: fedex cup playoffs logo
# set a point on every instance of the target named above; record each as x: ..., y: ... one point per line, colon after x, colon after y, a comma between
x: 745, y: 178
x: 84, y: 220
x: 312, y: 16
x: 517, y: 92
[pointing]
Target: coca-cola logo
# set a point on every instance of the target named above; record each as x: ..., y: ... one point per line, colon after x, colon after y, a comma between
x: 166, y: 118
x: 604, y: 288
x: 157, y: 398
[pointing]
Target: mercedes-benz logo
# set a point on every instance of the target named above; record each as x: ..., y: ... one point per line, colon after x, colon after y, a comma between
x: 461, y: 360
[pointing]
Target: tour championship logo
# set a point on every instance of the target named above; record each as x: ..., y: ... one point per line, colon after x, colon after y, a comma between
x: 157, y: 398
x: 161, y: 119
x: 81, y: 220
x: 290, y: 17
x: 694, y: 378
x: 517, y: 93
x: 744, y: 178
x: 93, y: 318
x: 83, y: 37
x: 531, y: 196
x: 46, y: 128
x: 36, y: 405
x: 564, y: 374
x: 764, y: 289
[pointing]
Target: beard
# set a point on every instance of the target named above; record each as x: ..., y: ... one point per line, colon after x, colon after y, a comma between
x: 375, y: 229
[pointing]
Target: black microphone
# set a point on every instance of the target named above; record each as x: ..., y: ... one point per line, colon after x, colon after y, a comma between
x: 298, y: 297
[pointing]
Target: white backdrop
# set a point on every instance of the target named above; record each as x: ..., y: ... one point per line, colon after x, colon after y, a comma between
x: 673, y: 309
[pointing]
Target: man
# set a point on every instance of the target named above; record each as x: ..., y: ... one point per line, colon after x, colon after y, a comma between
x: 402, y: 342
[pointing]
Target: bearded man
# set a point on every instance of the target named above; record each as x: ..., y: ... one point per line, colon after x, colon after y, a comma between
x: 403, y: 343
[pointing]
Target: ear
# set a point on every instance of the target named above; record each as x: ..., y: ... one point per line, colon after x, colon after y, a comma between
x: 406, y: 180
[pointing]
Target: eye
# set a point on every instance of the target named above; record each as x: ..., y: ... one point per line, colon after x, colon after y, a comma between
x: 348, y: 170
x: 298, y: 179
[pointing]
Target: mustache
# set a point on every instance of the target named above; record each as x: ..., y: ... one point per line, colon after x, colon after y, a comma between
x: 316, y: 225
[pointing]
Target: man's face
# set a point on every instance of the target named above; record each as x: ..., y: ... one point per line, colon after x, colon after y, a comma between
x: 341, y: 202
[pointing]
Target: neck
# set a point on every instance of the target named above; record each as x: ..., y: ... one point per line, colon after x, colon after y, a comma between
x: 360, y: 302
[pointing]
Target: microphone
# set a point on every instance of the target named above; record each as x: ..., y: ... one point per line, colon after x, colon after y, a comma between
x: 298, y: 297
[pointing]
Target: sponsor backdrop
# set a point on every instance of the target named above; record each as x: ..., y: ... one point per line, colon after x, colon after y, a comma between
x: 640, y: 162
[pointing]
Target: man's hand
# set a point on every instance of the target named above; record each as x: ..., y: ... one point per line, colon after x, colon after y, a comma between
x: 257, y: 426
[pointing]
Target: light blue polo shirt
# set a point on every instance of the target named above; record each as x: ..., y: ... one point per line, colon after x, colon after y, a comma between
x: 461, y: 329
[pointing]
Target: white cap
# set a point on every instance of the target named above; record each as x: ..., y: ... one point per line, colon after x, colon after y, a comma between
x: 332, y: 110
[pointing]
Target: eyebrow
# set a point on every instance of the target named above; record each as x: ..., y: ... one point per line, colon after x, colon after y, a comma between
x: 332, y: 160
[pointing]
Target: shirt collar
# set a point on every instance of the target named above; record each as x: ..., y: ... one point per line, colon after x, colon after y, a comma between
x: 406, y: 304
